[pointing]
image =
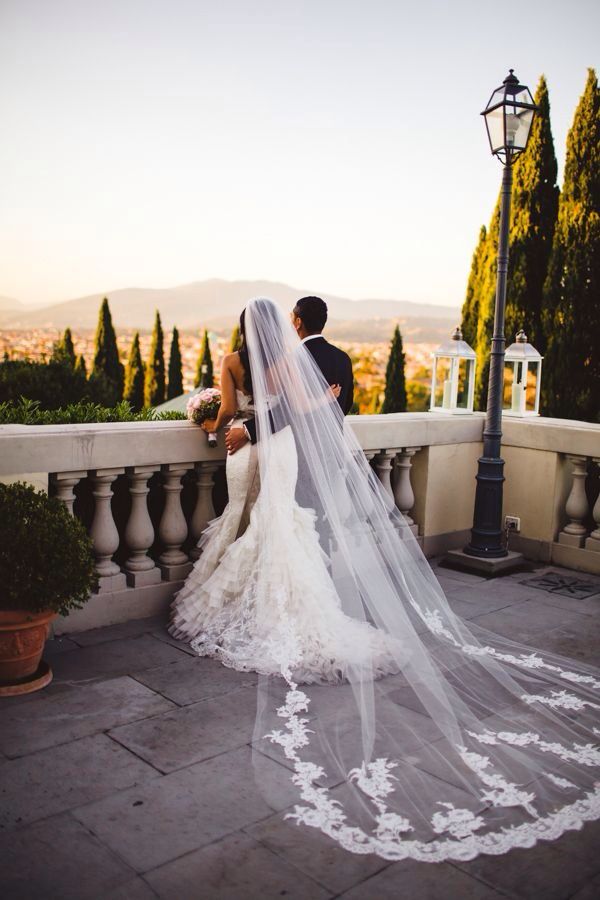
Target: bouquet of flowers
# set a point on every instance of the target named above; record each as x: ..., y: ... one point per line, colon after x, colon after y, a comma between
x: 202, y: 406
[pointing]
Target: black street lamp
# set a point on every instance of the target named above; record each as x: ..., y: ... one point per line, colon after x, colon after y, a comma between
x: 508, y: 118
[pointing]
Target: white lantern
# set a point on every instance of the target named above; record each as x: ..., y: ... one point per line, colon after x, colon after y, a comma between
x: 453, y: 376
x: 522, y: 379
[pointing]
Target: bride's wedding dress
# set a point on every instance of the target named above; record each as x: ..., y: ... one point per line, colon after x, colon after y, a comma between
x: 234, y: 606
x: 407, y: 731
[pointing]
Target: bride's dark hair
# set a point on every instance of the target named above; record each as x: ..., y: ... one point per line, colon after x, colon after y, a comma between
x: 244, y: 358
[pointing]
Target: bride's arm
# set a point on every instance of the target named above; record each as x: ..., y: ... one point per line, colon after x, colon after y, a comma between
x: 228, y: 398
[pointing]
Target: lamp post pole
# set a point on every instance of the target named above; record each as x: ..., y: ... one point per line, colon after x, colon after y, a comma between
x: 486, y: 533
x: 508, y: 118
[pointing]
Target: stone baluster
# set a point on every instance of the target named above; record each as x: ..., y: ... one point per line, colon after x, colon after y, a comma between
x: 593, y: 541
x: 172, y: 529
x: 64, y: 482
x: 139, y: 568
x: 576, y: 507
x: 384, y: 461
x: 403, y: 491
x: 204, y: 510
x: 103, y: 531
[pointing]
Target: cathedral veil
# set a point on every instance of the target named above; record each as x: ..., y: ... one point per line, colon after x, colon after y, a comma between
x: 423, y: 737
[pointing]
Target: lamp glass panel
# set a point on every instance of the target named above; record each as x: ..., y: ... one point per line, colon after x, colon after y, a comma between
x: 465, y: 367
x: 533, y: 373
x: 442, y: 375
x: 495, y: 125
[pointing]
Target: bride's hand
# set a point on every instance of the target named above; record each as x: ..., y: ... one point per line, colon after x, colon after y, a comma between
x: 336, y: 390
x: 209, y: 426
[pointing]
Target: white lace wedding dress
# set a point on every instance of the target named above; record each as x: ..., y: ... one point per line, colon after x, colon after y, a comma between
x: 244, y: 600
x: 408, y: 731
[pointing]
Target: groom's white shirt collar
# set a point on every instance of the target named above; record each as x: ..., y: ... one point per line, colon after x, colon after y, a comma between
x: 309, y: 337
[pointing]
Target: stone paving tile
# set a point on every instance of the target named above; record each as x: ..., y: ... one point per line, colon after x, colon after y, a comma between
x: 524, y: 621
x: 76, y: 713
x: 188, y: 734
x: 542, y: 872
x: 57, y: 779
x: 57, y: 645
x: 136, y: 889
x: 133, y: 628
x: 121, y: 657
x: 166, y: 817
x: 578, y: 638
x: 590, y: 606
x: 190, y: 679
x: 456, y: 574
x: 590, y: 891
x: 421, y: 881
x: 235, y: 868
x: 58, y: 859
x: 315, y: 854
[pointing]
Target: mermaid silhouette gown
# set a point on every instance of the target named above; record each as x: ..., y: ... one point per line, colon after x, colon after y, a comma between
x: 246, y: 599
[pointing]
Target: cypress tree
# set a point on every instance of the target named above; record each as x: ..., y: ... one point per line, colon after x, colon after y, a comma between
x: 532, y: 222
x: 175, y: 387
x: 394, y: 399
x: 134, y: 376
x: 470, y: 310
x: 80, y: 366
x: 64, y: 351
x: 206, y: 378
x: 107, y: 369
x: 235, y: 341
x: 571, y: 369
x: 154, y: 385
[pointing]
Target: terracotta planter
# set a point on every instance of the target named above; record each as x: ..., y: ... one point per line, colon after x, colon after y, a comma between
x: 22, y: 639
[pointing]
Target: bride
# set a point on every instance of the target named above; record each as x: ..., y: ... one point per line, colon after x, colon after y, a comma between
x: 413, y: 735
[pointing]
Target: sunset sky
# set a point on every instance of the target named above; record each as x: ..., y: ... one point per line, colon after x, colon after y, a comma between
x: 335, y: 145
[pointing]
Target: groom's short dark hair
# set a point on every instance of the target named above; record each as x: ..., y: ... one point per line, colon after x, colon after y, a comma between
x: 313, y: 312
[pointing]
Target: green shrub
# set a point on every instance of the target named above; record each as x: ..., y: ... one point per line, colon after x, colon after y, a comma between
x: 52, y: 384
x: 46, y: 559
x: 29, y: 412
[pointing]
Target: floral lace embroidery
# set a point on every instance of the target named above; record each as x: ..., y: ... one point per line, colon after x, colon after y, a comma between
x: 503, y: 792
x: 560, y: 700
x: 460, y: 823
x: 560, y: 782
x: 585, y: 754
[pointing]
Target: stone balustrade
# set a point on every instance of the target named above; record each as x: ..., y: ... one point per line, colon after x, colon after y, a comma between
x: 147, y: 490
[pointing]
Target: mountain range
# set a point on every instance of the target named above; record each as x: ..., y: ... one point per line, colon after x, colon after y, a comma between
x: 217, y: 303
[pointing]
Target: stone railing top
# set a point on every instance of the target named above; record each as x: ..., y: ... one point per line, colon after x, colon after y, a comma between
x: 63, y: 448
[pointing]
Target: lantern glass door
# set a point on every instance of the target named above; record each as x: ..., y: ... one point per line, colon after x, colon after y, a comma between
x: 443, y: 383
x: 531, y: 390
x: 465, y: 377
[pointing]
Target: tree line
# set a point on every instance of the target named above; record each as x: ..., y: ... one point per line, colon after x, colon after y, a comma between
x: 141, y: 384
x: 553, y: 287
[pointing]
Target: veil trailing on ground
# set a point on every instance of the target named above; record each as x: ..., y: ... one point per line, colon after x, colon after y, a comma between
x: 408, y: 733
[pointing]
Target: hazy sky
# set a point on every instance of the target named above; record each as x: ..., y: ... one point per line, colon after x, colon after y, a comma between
x: 332, y: 144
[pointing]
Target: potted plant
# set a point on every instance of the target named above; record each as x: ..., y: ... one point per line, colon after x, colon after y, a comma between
x: 46, y: 569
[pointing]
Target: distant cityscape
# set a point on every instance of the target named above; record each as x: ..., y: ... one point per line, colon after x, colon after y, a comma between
x: 369, y: 358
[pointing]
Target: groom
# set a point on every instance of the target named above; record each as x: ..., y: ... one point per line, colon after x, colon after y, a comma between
x: 309, y: 317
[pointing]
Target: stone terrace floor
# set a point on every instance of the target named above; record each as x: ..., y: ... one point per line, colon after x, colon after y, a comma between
x: 124, y: 778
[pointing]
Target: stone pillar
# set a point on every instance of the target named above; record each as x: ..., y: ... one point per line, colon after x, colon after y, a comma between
x: 204, y: 510
x: 383, y: 466
x: 593, y: 542
x: 64, y: 482
x: 403, y: 491
x: 172, y: 530
x: 103, y: 531
x: 576, y: 507
x: 139, y: 568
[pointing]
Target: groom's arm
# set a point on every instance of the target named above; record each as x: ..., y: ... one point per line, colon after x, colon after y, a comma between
x: 346, y: 398
x: 250, y: 429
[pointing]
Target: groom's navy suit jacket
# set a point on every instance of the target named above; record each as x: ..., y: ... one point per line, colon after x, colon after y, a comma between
x: 336, y: 367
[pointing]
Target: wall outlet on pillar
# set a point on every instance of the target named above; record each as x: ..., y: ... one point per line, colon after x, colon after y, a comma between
x: 512, y: 523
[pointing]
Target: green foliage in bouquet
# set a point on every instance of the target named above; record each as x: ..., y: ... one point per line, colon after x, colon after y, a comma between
x: 46, y: 559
